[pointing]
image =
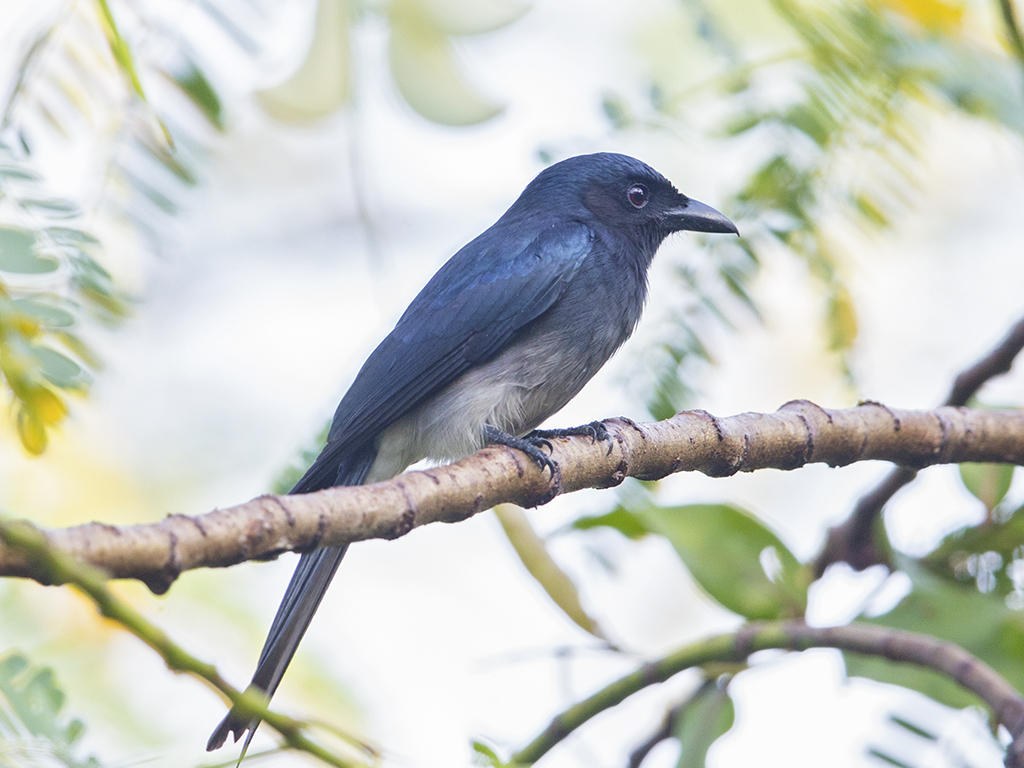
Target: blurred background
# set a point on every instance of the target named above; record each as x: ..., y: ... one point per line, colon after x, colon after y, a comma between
x: 212, y: 210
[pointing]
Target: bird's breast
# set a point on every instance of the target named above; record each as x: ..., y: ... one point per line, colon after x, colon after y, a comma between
x: 542, y: 367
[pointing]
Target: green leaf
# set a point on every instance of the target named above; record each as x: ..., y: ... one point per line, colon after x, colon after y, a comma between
x: 55, y: 207
x: 726, y: 550
x: 914, y: 728
x: 709, y: 715
x: 35, y: 701
x: 81, y: 350
x: 289, y: 476
x: 59, y: 369
x: 616, y: 111
x: 842, y: 320
x: 47, y: 314
x: 871, y: 210
x: 17, y: 253
x: 16, y: 172
x: 979, y: 623
x: 885, y: 757
x: 965, y: 553
x: 484, y: 754
x: 200, y: 91
x: 70, y: 236
x: 119, y: 48
x: 620, y: 518
x: 533, y: 553
x: 171, y: 159
x: 989, y: 483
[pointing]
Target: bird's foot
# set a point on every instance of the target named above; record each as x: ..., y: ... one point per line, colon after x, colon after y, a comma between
x: 595, y: 430
x: 530, y: 445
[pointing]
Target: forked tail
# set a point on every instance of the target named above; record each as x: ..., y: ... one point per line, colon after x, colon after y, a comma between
x: 305, y: 591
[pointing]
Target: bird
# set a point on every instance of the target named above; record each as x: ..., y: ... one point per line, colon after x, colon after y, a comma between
x: 503, y: 335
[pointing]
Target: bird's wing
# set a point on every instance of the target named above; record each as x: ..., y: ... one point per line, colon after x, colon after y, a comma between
x: 464, y: 316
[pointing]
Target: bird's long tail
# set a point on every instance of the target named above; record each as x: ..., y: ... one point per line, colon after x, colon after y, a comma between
x: 304, y: 593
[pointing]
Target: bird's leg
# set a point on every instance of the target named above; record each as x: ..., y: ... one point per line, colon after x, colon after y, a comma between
x: 530, y: 445
x: 595, y: 430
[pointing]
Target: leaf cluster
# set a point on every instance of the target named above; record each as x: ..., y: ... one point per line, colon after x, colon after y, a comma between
x: 33, y: 728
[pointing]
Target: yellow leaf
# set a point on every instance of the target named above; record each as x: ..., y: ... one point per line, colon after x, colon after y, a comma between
x: 46, y: 406
x: 25, y: 325
x: 938, y: 15
x: 842, y: 320
x: 32, y: 432
x: 538, y: 561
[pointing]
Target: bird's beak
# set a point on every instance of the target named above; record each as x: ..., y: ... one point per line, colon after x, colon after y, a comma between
x: 695, y: 216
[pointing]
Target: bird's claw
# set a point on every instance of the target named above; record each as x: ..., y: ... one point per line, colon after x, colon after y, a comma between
x: 531, y: 445
x: 537, y: 455
x: 595, y: 430
x: 539, y: 442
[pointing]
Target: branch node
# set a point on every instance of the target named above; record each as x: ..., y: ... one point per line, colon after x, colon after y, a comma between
x: 896, y: 424
x: 802, y: 404
x: 633, y: 425
x: 715, y: 423
x: 288, y: 516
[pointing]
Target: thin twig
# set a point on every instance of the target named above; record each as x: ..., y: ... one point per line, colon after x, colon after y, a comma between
x: 798, y: 433
x: 852, y: 541
x: 93, y: 583
x: 896, y: 645
x: 666, y: 729
x: 995, y: 363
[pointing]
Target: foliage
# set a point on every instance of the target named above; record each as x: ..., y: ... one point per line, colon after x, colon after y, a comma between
x: 707, y: 715
x: 977, y: 622
x: 54, y: 275
x: 33, y: 730
x: 752, y: 573
x: 49, y: 283
x: 421, y: 59
x: 162, y: 107
x: 838, y: 147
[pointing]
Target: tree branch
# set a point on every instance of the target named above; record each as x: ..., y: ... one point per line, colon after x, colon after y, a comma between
x: 896, y: 645
x: 797, y: 434
x: 665, y: 731
x: 64, y: 569
x: 852, y: 541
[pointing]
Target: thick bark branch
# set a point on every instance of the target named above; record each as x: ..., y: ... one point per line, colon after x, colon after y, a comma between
x: 798, y: 433
x: 897, y: 645
x: 852, y: 541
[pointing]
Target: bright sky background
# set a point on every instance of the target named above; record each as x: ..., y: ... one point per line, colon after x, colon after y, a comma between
x: 264, y: 300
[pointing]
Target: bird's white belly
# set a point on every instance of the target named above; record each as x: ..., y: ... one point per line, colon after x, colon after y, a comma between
x: 514, y: 392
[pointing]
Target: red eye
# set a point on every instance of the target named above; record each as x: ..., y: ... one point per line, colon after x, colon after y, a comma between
x: 637, y: 195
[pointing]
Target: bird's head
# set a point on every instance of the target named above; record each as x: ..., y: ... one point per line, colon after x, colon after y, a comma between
x: 625, y: 194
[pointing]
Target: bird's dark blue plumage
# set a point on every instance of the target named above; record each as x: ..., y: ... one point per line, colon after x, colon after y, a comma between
x: 502, y: 336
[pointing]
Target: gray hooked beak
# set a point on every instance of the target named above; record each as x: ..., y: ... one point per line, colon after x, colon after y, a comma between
x: 695, y: 216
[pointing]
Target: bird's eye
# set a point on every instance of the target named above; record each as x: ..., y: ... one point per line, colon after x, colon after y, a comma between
x: 637, y: 195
